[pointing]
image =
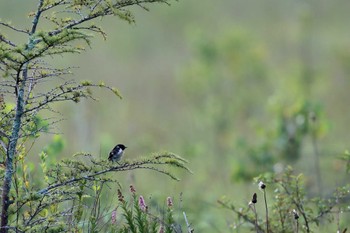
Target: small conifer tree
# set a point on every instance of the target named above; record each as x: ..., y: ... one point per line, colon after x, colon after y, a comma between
x: 58, y: 27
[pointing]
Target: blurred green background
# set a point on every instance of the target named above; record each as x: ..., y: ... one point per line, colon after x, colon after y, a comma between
x: 236, y: 87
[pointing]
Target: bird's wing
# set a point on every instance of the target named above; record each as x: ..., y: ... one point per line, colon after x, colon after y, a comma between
x: 110, y: 155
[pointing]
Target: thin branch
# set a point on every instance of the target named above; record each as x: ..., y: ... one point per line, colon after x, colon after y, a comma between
x: 37, y: 210
x: 240, y: 214
x: 299, y: 207
x: 52, y: 96
x: 124, y: 167
x: 13, y: 28
x: 48, y: 7
x: 3, y: 39
x: 75, y: 23
x: 93, y: 29
x: 108, y: 11
x: 94, y: 6
x: 36, y: 17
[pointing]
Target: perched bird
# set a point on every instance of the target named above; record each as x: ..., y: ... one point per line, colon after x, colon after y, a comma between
x: 116, y: 154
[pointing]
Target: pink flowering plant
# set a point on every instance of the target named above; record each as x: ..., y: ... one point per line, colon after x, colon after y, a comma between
x: 169, y: 220
x: 137, y: 217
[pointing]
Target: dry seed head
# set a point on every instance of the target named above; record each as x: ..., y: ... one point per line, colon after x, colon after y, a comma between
x: 255, y: 198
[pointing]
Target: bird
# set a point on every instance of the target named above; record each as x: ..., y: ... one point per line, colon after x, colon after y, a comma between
x: 116, y: 154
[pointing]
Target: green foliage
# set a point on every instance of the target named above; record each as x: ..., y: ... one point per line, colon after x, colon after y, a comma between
x: 169, y: 220
x: 36, y: 125
x: 56, y: 146
x: 57, y: 202
x: 292, y: 210
x: 258, y: 128
x: 250, y: 121
x: 129, y: 214
x: 73, y: 193
x: 218, y: 77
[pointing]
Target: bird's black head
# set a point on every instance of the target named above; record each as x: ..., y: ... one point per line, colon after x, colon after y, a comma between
x: 121, y: 146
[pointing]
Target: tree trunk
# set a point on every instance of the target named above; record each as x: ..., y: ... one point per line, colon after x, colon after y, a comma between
x: 11, y: 152
x: 16, y: 127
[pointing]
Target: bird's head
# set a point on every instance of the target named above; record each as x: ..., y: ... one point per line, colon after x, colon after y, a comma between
x: 121, y: 146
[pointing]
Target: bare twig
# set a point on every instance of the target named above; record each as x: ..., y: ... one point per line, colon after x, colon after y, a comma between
x: 14, y: 28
